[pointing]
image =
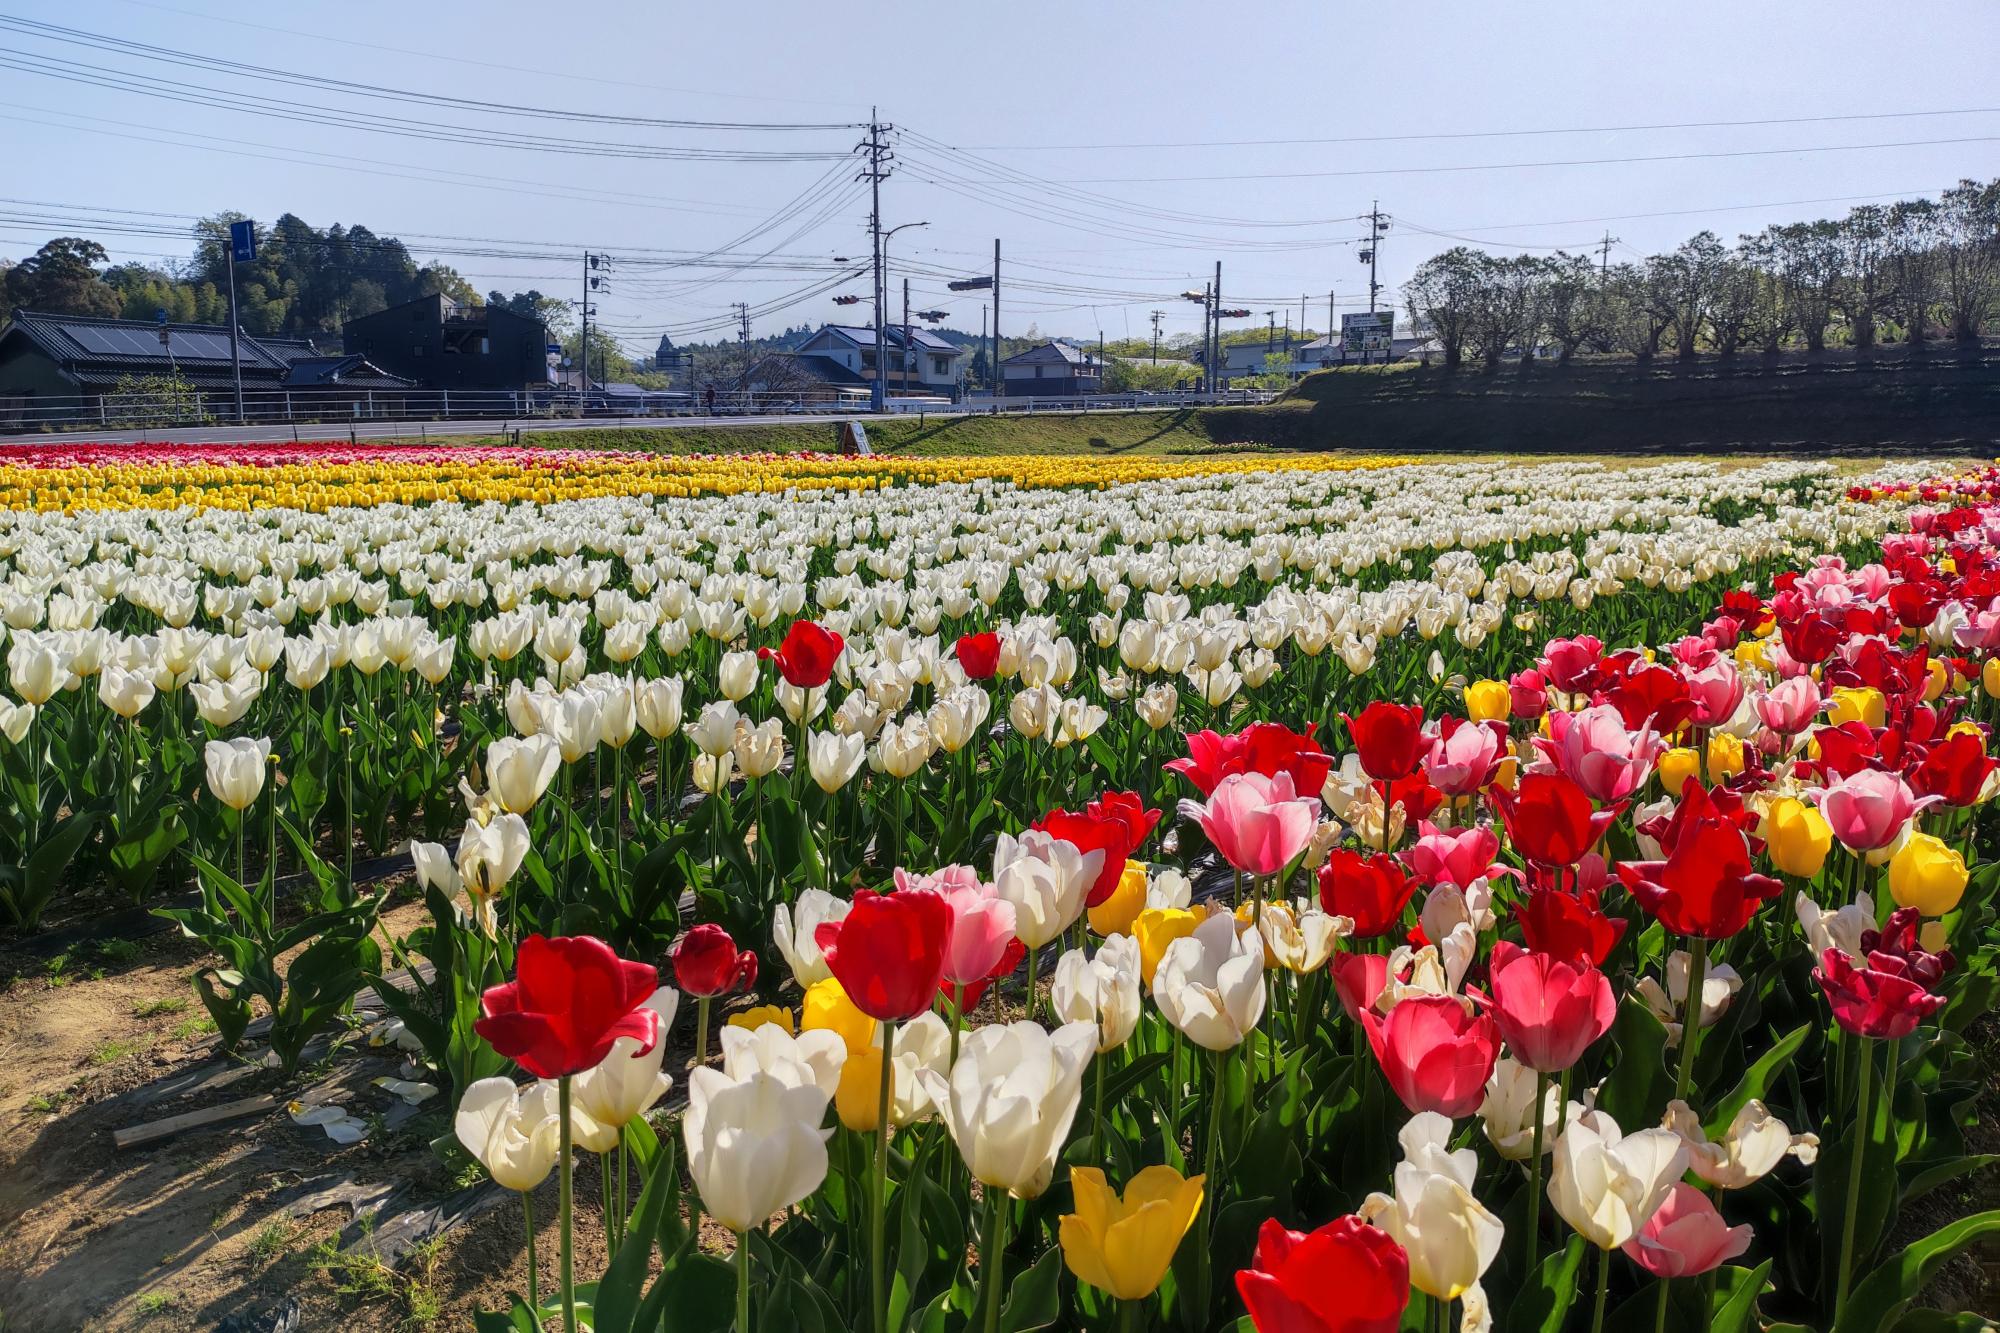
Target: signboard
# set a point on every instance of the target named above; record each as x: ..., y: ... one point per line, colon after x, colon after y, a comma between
x: 1368, y: 334
x: 243, y: 241
x: 970, y: 284
x: 553, y: 349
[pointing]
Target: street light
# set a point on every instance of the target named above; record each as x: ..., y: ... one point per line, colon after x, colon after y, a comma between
x: 878, y: 392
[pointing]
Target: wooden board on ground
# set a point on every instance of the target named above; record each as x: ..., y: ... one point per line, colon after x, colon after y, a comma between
x: 133, y: 1136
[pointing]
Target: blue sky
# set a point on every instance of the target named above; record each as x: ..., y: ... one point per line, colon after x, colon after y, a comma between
x: 1119, y: 151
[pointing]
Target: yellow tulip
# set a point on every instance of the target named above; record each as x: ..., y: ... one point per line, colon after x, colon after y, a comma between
x: 1156, y: 928
x: 1989, y: 677
x: 1115, y: 915
x: 1725, y: 756
x: 1939, y: 681
x: 858, y: 1099
x: 1796, y: 837
x: 1488, y: 701
x: 1676, y: 767
x: 752, y: 1019
x: 1927, y: 875
x: 826, y: 1006
x: 1124, y: 1246
x: 1857, y: 703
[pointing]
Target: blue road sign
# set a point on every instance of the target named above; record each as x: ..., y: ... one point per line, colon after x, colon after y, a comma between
x: 553, y: 347
x: 243, y: 241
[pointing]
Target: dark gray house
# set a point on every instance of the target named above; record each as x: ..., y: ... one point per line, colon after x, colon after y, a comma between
x: 1054, y: 369
x: 61, y: 368
x: 439, y: 343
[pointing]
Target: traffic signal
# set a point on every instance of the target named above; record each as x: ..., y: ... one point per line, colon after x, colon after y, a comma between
x: 846, y: 300
x: 1232, y: 314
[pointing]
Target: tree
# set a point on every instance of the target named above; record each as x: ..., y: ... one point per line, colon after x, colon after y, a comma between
x: 1733, y: 307
x: 1681, y: 285
x: 1505, y: 309
x: 553, y: 311
x: 1572, y: 303
x: 1441, y: 295
x: 1864, y: 254
x: 1969, y: 217
x: 61, y: 278
x: 1639, y: 313
x: 153, y: 400
x: 1807, y: 262
x: 1915, y: 231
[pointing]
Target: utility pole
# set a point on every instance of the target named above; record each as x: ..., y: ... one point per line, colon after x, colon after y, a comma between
x: 235, y: 361
x: 742, y: 309
x: 1604, y: 256
x: 993, y: 363
x: 876, y: 172
x: 1271, y: 333
x: 590, y: 284
x: 1221, y: 381
x: 1329, y: 324
x: 906, y: 333
x: 1158, y: 315
x: 1377, y: 225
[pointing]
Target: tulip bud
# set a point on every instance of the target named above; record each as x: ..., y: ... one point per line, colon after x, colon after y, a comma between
x: 1928, y: 875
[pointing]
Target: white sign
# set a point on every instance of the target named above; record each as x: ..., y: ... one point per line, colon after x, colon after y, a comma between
x: 1368, y: 334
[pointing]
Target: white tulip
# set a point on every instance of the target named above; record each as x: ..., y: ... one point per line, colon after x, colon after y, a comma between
x: 1508, y: 1111
x: 1047, y: 880
x: 834, y: 759
x: 1010, y: 1099
x: 1210, y: 985
x: 1606, y: 1183
x: 625, y: 1084
x: 1753, y: 1145
x: 1103, y: 990
x: 519, y: 771
x: 1450, y: 1237
x: 514, y: 1132
x: 235, y: 770
x: 755, y: 1147
x: 658, y: 705
x: 795, y: 930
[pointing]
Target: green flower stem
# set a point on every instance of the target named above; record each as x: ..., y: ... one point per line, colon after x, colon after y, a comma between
x: 990, y: 1261
x: 1211, y: 1161
x: 563, y: 1169
x: 742, y: 1282
x: 1691, y: 1020
x: 701, y: 1030
x: 1666, y: 1285
x: 1535, y: 1175
x: 528, y: 1215
x: 1856, y: 1154
x: 1603, y: 1290
x: 878, y: 1257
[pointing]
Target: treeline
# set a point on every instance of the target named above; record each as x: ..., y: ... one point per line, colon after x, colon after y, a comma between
x: 305, y: 280
x: 1911, y: 271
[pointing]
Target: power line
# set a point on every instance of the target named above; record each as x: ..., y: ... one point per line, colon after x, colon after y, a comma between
x: 1484, y: 134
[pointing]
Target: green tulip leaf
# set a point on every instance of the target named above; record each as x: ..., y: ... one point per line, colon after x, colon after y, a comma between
x: 1880, y: 1299
x: 1034, y: 1298
x: 1543, y: 1303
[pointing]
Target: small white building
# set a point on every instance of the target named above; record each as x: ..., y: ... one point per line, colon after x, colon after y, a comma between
x: 918, y: 361
x: 1053, y: 369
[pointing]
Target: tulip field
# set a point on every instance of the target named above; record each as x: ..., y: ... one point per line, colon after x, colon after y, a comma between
x: 1302, y: 894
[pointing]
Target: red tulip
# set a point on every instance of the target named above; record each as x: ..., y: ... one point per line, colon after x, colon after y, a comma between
x: 570, y: 999
x: 1549, y: 818
x: 1358, y: 978
x: 1574, y: 666
x: 888, y: 951
x: 706, y: 963
x: 1437, y: 1051
x: 1570, y: 925
x: 1549, y: 1009
x: 1955, y: 769
x: 1371, y: 889
x: 979, y: 655
x: 1129, y: 808
x: 1344, y: 1277
x: 1390, y: 738
x: 1705, y: 887
x: 1210, y: 758
x: 1089, y: 832
x: 1271, y: 748
x: 806, y: 657
x: 1889, y: 993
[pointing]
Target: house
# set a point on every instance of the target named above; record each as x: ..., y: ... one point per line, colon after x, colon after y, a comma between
x: 918, y: 361
x: 1054, y: 369
x: 440, y: 343
x: 68, y: 367
x: 1321, y: 353
x: 796, y: 373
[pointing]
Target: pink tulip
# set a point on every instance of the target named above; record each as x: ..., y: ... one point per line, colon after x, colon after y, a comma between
x: 1358, y: 979
x: 1436, y: 1051
x: 1686, y: 1236
x: 1571, y: 664
x: 1453, y: 856
x: 1871, y: 581
x: 1979, y: 633
x: 1716, y: 689
x: 1868, y: 808
x: 938, y: 881
x: 1527, y: 694
x: 1549, y: 1009
x: 1257, y: 824
x: 1464, y: 755
x: 1594, y: 750
x: 1722, y: 633
x: 1789, y: 707
x: 982, y: 928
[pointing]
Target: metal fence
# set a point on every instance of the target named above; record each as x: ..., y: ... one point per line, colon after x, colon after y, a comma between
x: 335, y: 410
